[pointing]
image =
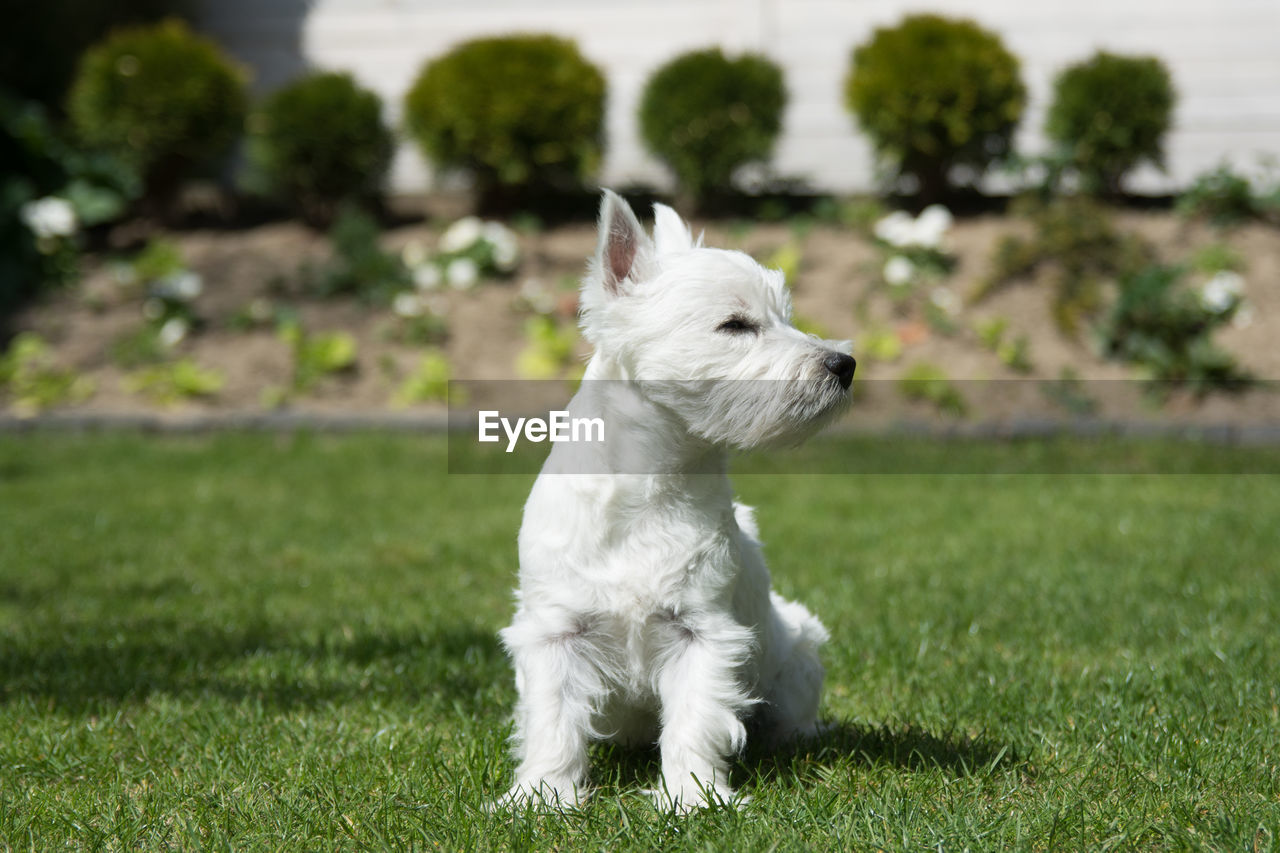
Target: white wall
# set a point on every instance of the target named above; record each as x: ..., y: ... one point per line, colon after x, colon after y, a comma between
x: 1224, y: 57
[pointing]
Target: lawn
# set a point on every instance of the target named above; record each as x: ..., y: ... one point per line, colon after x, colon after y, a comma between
x: 288, y: 641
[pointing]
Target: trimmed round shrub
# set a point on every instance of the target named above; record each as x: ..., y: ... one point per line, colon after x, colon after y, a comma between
x: 706, y: 115
x: 163, y: 99
x: 320, y: 142
x: 934, y: 93
x: 1109, y: 114
x: 515, y: 111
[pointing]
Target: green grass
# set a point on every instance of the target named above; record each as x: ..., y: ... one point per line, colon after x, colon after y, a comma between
x: 262, y: 641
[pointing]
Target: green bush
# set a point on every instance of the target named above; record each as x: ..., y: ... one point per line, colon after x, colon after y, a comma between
x: 1222, y: 196
x: 706, y: 115
x: 39, y: 173
x: 359, y: 265
x: 1166, y: 328
x: 320, y: 142
x: 1078, y: 239
x: 515, y: 111
x: 165, y: 100
x: 33, y: 381
x: 933, y: 94
x: 1109, y: 114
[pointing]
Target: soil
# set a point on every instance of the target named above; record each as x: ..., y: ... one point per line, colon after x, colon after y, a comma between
x: 837, y: 288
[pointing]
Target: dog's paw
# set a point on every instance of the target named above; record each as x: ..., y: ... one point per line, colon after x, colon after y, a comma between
x: 543, y: 795
x: 692, y: 797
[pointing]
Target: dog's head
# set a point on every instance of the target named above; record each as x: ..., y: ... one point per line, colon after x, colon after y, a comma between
x: 707, y: 333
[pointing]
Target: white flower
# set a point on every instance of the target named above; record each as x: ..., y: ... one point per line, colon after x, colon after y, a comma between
x: 931, y: 226
x: 896, y: 229
x: 413, y: 254
x: 900, y: 229
x: 1222, y: 292
x: 506, y: 249
x: 461, y: 273
x: 496, y: 232
x: 173, y: 331
x: 408, y: 304
x: 49, y: 217
x: 899, y: 270
x: 186, y: 285
x: 427, y: 277
x: 945, y: 300
x: 461, y: 234
x: 180, y: 287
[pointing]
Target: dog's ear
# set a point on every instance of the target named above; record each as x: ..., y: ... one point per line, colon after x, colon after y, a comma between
x: 623, y: 251
x: 670, y: 233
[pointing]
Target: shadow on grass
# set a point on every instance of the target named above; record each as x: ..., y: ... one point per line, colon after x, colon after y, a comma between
x: 454, y: 666
x: 905, y: 748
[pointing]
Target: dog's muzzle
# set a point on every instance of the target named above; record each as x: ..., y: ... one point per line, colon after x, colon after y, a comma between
x: 841, y: 366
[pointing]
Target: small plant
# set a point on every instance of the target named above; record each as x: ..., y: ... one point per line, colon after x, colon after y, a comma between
x: 49, y: 192
x: 1013, y: 353
x: 421, y: 321
x: 257, y: 313
x: 706, y: 116
x: 929, y: 383
x: 1076, y: 237
x: 359, y: 266
x: 1222, y: 196
x: 320, y: 142
x: 163, y: 99
x: 548, y: 352
x: 935, y: 94
x: 428, y: 383
x: 942, y: 309
x: 180, y: 380
x: 1069, y: 393
x: 880, y: 344
x: 34, y: 381
x: 316, y: 354
x: 514, y: 111
x: 1217, y: 257
x: 1109, y: 114
x: 1166, y: 328
x: 168, y: 308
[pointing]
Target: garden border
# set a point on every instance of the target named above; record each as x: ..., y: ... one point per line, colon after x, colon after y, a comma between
x: 438, y: 422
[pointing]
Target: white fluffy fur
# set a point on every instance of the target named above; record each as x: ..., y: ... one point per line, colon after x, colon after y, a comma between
x: 644, y: 607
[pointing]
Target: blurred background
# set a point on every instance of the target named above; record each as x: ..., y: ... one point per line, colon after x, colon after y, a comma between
x: 244, y: 206
x: 1221, y: 58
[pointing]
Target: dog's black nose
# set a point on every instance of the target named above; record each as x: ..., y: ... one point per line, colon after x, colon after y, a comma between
x: 842, y: 366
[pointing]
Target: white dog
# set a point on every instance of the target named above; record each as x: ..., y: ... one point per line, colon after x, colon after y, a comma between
x: 644, y: 608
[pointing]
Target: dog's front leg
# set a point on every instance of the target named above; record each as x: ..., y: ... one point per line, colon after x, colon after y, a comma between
x: 699, y: 687
x: 560, y: 687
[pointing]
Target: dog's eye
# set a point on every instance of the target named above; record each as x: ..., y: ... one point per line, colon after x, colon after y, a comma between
x: 737, y: 326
